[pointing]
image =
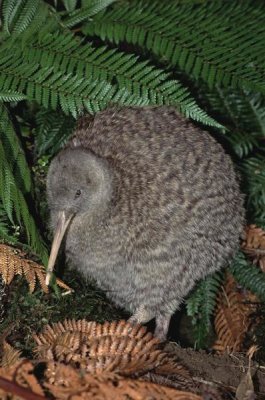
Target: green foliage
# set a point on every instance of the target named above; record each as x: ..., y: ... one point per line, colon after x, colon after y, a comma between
x: 241, y: 112
x: 64, y: 58
x: 11, y: 96
x: 52, y: 132
x: 210, y: 41
x: 15, y: 184
x: 70, y: 5
x: 91, y: 8
x: 253, y: 169
x: 201, y: 304
x: 19, y: 14
x: 53, y: 89
x: 243, y: 115
x: 248, y: 275
x: 13, y: 151
x: 6, y: 232
x: 50, y: 69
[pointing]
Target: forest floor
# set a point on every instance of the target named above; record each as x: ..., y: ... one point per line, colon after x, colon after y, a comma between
x: 225, y: 371
x: 28, y: 313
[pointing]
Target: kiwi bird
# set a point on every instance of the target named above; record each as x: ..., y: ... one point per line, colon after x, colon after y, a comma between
x: 148, y: 204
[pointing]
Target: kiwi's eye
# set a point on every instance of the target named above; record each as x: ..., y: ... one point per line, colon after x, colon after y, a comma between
x: 77, y: 193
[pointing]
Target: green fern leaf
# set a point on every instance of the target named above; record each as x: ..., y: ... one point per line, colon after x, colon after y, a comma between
x: 71, y: 93
x: 29, y: 17
x: 70, y: 5
x: 211, y: 41
x: 18, y: 14
x: 9, y: 9
x: 15, y: 182
x: 33, y: 236
x: 239, y: 110
x: 201, y: 304
x: 253, y: 169
x: 92, y: 8
x: 243, y: 143
x: 13, y: 151
x: 6, y: 233
x: 52, y: 131
x: 7, y: 184
x: 248, y: 275
x: 130, y: 81
x: 26, y: 15
x: 11, y: 96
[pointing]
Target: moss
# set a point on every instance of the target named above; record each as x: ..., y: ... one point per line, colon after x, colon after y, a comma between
x: 28, y: 313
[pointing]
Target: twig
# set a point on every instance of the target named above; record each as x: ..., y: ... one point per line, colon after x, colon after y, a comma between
x: 12, y: 387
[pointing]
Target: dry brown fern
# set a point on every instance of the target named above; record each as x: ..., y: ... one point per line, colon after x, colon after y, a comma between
x: 232, y: 316
x: 14, y: 262
x: 65, y: 382
x: 254, y: 245
x: 113, y: 349
x: 16, y: 379
x: 10, y: 356
x: 110, y: 347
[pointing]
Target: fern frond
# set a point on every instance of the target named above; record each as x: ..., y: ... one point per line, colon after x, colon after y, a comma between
x: 240, y: 111
x: 132, y: 82
x: 113, y: 346
x: 29, y: 18
x: 201, y: 304
x: 245, y: 118
x: 25, y: 15
x: 26, y: 220
x: 10, y: 356
x: 242, y: 142
x: 11, y: 96
x: 249, y: 276
x: 15, y: 182
x: 9, y: 10
x: 7, y: 233
x: 84, y: 13
x: 69, y: 5
x: 233, y: 316
x: 210, y: 40
x: 54, y: 89
x: 253, y: 169
x: 13, y: 151
x: 7, y: 184
x: 14, y: 262
x: 19, y: 14
x: 52, y: 131
x: 257, y: 103
x: 64, y: 381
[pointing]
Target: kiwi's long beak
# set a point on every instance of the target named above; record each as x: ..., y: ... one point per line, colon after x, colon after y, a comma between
x: 61, y: 227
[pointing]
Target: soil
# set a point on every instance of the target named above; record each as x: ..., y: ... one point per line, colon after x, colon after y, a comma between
x: 226, y: 372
